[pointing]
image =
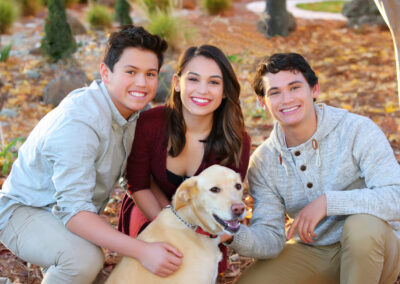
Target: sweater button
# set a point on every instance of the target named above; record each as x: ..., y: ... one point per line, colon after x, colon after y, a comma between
x: 303, y: 168
x: 297, y: 153
x: 309, y: 185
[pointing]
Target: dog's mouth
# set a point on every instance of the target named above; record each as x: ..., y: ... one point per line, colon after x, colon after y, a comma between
x: 231, y: 226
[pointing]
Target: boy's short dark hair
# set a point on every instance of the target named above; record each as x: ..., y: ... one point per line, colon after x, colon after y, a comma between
x: 283, y: 62
x: 132, y: 36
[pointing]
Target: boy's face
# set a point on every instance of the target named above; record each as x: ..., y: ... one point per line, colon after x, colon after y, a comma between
x: 133, y: 83
x: 289, y: 98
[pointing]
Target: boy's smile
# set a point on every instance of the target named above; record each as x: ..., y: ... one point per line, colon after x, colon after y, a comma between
x: 133, y: 82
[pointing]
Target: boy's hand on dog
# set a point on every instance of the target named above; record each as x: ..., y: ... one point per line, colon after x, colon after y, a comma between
x: 307, y: 219
x: 161, y: 259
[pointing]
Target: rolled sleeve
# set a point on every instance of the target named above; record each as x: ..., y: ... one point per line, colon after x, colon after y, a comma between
x: 72, y: 150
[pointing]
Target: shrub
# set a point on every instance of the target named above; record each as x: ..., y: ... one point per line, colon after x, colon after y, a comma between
x: 216, y: 6
x: 98, y: 17
x: 8, y: 14
x: 58, y: 41
x: 122, y: 9
x: 5, y: 52
x: 171, y: 28
x: 30, y: 7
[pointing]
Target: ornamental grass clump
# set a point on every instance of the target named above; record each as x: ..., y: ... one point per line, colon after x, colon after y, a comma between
x: 169, y: 27
x: 98, y: 17
x: 8, y: 14
x: 216, y: 6
x: 153, y: 5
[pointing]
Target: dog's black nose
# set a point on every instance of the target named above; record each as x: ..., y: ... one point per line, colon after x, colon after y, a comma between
x: 238, y: 209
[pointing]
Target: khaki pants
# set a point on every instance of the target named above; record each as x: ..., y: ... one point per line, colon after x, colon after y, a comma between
x: 368, y: 253
x: 38, y: 237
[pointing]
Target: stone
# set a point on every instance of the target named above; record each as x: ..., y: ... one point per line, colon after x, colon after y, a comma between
x: 7, y: 112
x: 67, y: 81
x: 32, y: 74
x: 164, y: 84
x: 361, y: 12
x: 76, y: 25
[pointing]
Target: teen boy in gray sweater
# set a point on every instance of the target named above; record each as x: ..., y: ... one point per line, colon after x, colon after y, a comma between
x: 334, y: 173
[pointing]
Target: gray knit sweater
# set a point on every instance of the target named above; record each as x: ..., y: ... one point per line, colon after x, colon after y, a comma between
x: 348, y: 158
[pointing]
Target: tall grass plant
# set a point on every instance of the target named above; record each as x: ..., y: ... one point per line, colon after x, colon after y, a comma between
x: 98, y: 17
x: 8, y: 14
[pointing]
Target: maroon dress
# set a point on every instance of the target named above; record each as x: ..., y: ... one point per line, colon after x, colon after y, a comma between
x: 148, y: 159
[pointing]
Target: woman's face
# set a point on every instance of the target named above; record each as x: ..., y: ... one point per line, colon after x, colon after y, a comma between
x: 201, y: 87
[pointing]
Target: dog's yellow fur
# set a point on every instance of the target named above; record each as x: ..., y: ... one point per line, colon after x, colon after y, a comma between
x: 196, y: 204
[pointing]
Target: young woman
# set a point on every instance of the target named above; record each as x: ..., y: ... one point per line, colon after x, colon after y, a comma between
x: 201, y: 125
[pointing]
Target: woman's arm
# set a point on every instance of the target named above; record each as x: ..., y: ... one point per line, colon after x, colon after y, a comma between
x: 147, y: 202
x: 160, y: 196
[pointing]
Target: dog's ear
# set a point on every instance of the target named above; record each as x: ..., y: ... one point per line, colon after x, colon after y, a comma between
x: 185, y: 192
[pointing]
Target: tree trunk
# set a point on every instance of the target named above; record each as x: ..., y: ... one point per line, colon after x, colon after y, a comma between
x: 390, y: 11
x: 277, y: 23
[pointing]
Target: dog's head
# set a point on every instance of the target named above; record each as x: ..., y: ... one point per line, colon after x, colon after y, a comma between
x: 214, y: 199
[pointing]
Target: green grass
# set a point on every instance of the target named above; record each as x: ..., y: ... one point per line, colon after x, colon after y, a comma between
x: 326, y: 6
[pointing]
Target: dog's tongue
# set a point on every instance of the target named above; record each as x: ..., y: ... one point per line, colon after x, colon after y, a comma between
x: 233, y: 224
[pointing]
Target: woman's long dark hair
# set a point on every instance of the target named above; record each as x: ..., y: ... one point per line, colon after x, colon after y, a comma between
x: 226, y: 135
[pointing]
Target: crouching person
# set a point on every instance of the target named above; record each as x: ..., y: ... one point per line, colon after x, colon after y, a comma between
x: 69, y: 164
x: 331, y: 171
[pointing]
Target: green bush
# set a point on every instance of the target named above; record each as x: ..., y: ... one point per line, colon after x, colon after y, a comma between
x: 30, y: 7
x: 98, y: 17
x: 8, y: 14
x: 216, y: 6
x: 5, y: 52
x: 58, y: 41
x: 122, y: 9
x: 171, y: 28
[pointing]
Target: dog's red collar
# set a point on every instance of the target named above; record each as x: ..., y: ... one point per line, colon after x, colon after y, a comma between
x: 200, y: 230
x: 196, y: 228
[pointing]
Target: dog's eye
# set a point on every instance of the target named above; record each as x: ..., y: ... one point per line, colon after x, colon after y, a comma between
x: 238, y: 186
x: 215, y: 189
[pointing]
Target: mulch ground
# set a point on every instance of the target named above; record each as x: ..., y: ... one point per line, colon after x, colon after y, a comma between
x: 356, y: 70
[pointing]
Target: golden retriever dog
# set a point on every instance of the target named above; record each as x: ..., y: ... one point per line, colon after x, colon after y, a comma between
x: 212, y: 201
